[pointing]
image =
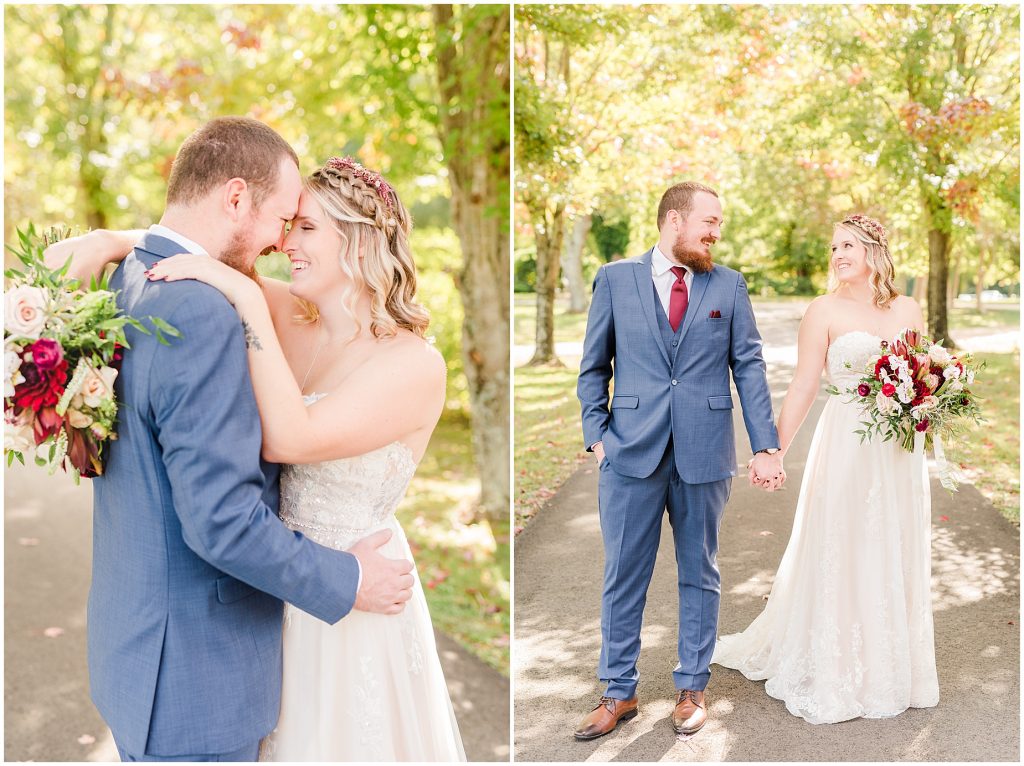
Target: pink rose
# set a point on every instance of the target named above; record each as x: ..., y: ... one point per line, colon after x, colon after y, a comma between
x: 25, y: 311
x: 98, y: 386
x: 46, y: 354
x: 888, y: 389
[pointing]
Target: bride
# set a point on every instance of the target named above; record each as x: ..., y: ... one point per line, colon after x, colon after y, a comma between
x: 349, y: 392
x: 847, y: 630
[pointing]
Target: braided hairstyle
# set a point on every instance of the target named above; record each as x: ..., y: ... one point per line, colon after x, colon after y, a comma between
x: 373, y: 223
x: 871, y: 234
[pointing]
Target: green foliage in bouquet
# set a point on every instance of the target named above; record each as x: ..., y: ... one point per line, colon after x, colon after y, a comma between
x: 54, y: 331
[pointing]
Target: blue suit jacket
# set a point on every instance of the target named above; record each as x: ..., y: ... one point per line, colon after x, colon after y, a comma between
x: 682, y: 391
x: 190, y: 562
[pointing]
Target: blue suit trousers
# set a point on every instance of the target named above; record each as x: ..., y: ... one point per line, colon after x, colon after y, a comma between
x: 631, y: 512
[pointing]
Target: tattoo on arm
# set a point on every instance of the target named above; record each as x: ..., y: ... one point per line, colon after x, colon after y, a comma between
x: 251, y: 340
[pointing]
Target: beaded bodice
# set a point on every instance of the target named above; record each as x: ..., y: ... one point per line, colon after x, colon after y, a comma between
x: 338, y: 502
x: 853, y: 348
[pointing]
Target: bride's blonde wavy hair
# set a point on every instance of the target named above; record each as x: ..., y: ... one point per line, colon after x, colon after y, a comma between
x: 375, y: 255
x: 871, y: 234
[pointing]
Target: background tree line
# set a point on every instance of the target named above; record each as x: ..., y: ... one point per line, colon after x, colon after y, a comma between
x: 796, y: 114
x: 99, y: 98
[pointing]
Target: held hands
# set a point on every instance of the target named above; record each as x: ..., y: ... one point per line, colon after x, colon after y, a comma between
x: 766, y: 471
x: 203, y: 268
x: 387, y: 583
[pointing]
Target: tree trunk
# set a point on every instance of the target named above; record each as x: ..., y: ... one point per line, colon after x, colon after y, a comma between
x: 938, y: 278
x: 473, y: 74
x: 920, y: 289
x: 572, y: 264
x: 549, y: 233
x: 953, y: 286
x: 979, y: 281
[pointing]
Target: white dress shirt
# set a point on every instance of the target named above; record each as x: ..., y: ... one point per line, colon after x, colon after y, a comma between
x: 188, y: 246
x: 661, y: 271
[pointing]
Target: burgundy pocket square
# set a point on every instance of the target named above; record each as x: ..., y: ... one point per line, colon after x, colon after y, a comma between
x: 715, y: 315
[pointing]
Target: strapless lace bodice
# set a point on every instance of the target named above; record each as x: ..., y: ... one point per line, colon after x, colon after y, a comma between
x: 853, y: 348
x: 338, y: 502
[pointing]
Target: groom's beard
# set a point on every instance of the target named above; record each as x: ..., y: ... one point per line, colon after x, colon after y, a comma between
x: 697, y: 261
x: 237, y: 254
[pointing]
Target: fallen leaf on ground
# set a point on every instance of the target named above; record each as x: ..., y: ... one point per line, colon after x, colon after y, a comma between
x: 53, y: 632
x: 943, y: 518
x: 28, y: 541
x: 86, y: 739
x: 766, y: 533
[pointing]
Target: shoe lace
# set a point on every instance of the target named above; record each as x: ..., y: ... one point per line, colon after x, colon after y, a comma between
x: 684, y: 694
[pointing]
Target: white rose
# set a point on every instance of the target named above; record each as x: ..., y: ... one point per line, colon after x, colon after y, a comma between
x: 952, y: 372
x: 932, y: 381
x: 25, y: 311
x: 18, y: 436
x: 98, y: 386
x: 885, y: 404
x: 939, y: 355
x: 12, y: 371
x: 79, y: 419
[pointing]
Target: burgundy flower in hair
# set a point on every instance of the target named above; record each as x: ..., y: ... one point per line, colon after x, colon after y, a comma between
x: 369, y: 177
x: 868, y: 225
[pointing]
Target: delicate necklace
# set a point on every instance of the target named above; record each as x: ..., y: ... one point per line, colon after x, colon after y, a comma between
x: 319, y: 346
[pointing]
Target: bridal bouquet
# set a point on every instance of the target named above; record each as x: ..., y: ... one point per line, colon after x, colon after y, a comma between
x: 62, y: 349
x: 917, y: 392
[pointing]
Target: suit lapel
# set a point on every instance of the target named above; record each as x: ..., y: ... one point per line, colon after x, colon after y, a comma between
x: 644, y: 290
x: 697, y: 290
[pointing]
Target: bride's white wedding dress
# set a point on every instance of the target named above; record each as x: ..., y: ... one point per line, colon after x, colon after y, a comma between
x: 370, y: 687
x: 847, y: 630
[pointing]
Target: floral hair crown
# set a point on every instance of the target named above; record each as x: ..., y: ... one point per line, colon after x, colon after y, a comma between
x: 870, y: 226
x: 369, y: 177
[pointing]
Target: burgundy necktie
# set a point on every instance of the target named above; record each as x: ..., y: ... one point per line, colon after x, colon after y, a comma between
x: 679, y: 299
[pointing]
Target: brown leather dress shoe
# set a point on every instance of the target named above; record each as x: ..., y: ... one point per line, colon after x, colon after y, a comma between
x: 690, y: 714
x: 605, y: 717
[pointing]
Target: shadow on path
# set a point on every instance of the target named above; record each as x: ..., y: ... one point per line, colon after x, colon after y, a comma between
x: 558, y: 565
x: 47, y: 560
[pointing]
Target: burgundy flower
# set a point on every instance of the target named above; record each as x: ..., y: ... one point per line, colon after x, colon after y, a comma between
x: 46, y: 354
x: 888, y: 389
x: 41, y: 388
x: 881, y: 364
x: 922, y: 425
x: 84, y: 452
x: 46, y: 424
x: 863, y: 389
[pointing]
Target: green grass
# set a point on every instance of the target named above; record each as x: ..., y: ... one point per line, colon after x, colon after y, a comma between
x: 548, y: 441
x: 989, y: 455
x: 548, y: 446
x: 568, y: 327
x: 994, y: 317
x: 465, y: 573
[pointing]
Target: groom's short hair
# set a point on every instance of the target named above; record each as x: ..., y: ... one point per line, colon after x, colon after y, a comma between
x: 226, y: 148
x: 680, y: 197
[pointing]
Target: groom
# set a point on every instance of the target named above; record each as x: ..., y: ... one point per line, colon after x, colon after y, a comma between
x: 671, y: 325
x: 190, y: 562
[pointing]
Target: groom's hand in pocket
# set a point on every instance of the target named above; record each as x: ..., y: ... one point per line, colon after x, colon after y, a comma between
x: 386, y: 583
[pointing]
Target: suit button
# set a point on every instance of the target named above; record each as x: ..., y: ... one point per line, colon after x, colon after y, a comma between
x: 675, y: 343
x: 675, y: 382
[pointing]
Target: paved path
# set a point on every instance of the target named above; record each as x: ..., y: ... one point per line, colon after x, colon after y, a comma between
x: 47, y: 559
x: 558, y: 565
